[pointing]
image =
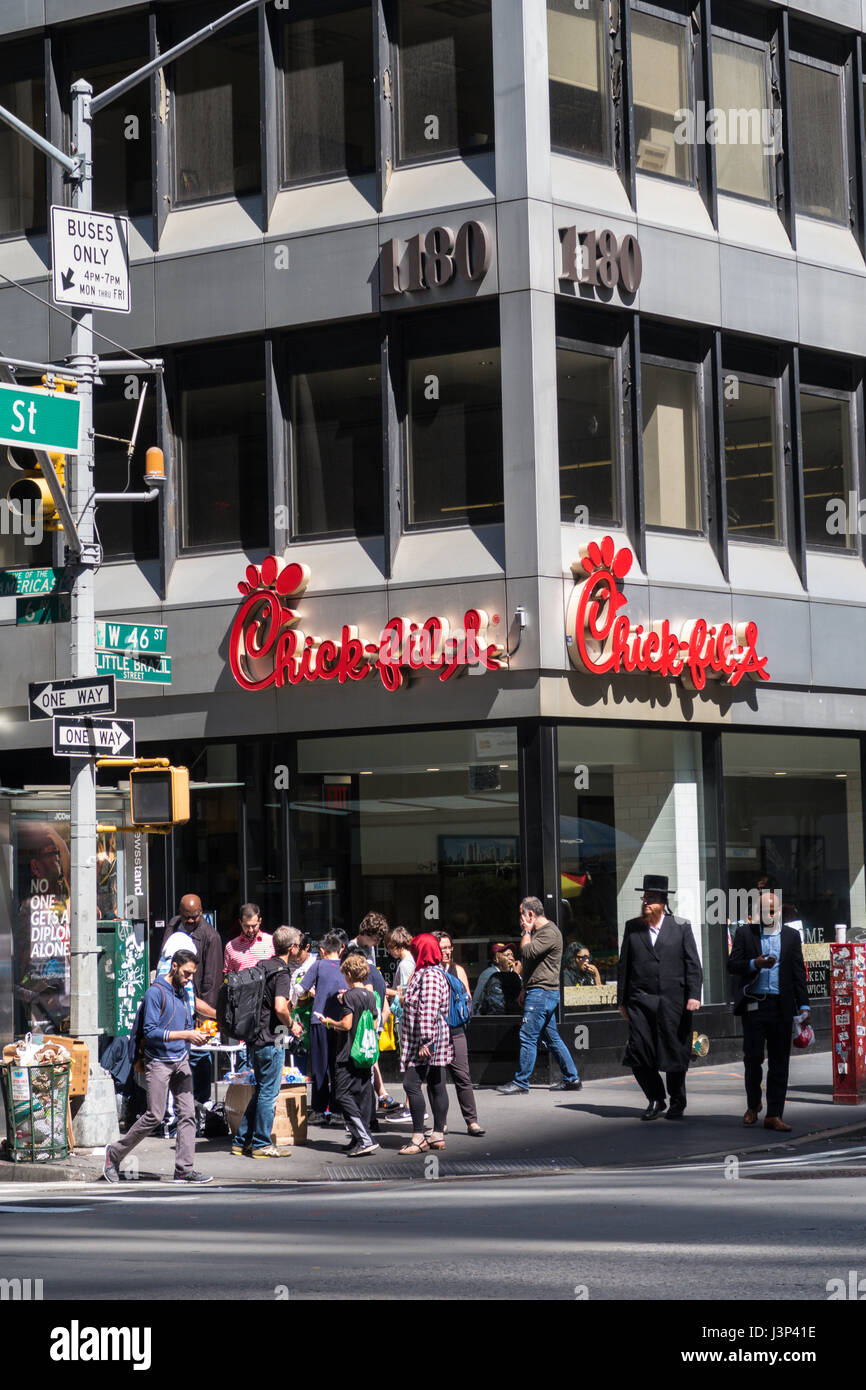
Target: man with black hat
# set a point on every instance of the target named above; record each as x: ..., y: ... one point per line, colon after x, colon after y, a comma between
x: 658, y: 989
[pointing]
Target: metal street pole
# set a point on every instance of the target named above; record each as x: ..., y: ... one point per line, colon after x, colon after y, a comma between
x: 96, y: 1121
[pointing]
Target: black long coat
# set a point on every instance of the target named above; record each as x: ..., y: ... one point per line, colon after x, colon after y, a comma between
x: 654, y: 986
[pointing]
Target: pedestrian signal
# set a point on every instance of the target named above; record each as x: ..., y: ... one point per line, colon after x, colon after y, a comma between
x: 159, y: 796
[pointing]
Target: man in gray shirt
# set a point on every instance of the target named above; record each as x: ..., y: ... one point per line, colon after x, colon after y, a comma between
x: 541, y: 954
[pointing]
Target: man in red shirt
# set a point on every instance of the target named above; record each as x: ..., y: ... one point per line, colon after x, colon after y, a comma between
x: 252, y: 945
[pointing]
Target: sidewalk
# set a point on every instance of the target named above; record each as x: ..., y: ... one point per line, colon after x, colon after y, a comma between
x: 598, y: 1127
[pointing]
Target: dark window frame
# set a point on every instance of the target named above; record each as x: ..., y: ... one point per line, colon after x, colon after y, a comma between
x: 614, y: 352
x: 840, y: 67
x: 682, y: 18
x: 763, y: 45
x: 401, y: 161
x: 845, y: 396
x: 699, y: 368
x: 318, y: 351
x: 315, y: 9
x: 608, y: 160
x: 190, y: 360
x: 775, y: 384
x: 432, y: 334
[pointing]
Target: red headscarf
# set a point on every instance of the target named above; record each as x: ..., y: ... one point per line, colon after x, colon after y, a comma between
x: 426, y: 950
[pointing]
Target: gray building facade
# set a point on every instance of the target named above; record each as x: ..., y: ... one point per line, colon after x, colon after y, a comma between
x: 449, y: 292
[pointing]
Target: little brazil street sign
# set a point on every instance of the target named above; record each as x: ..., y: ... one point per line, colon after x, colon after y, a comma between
x: 39, y: 420
x: 146, y: 670
x: 91, y: 738
x: 90, y: 259
x: 90, y: 694
x: 126, y: 637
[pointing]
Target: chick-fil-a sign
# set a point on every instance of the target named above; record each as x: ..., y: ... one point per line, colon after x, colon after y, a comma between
x: 267, y: 647
x: 602, y: 640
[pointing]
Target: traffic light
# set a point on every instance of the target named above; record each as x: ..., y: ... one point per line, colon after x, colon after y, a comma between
x: 159, y: 796
x: 32, y: 490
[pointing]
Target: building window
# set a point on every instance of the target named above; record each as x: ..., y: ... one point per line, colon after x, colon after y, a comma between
x: 579, y: 82
x: 336, y: 433
x: 587, y: 415
x: 638, y: 810
x: 122, y: 168
x: 445, y: 78
x: 671, y: 449
x: 327, y: 58
x: 223, y: 441
x: 217, y: 135
x: 793, y: 809
x: 745, y: 131
x: 662, y: 96
x: 386, y: 821
x: 819, y: 144
x: 454, y: 425
x: 825, y: 422
x: 126, y: 530
x: 23, y: 201
x: 752, y: 461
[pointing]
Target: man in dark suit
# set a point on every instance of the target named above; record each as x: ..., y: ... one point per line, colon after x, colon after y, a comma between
x: 658, y: 989
x: 766, y: 962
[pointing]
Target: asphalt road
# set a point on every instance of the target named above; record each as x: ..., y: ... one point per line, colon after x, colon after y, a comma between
x: 674, y: 1233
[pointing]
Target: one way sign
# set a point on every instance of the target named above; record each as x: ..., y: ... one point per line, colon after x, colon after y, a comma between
x: 94, y: 738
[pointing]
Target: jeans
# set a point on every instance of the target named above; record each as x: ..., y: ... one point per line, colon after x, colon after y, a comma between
x: 539, y: 1021
x: 201, y: 1066
x: 258, y: 1121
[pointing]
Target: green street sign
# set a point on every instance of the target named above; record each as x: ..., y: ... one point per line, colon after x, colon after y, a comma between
x: 21, y: 582
x: 124, y: 637
x: 39, y: 420
x: 144, y: 670
x: 46, y: 608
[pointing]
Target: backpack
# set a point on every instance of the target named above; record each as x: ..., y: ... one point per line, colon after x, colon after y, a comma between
x: 241, y: 996
x: 364, y: 1051
x: 135, y: 1043
x: 459, y: 1008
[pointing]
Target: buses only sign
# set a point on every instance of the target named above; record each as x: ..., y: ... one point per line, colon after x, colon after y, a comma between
x: 90, y: 259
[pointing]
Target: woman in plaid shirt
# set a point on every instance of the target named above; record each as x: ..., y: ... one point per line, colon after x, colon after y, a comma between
x: 426, y: 1048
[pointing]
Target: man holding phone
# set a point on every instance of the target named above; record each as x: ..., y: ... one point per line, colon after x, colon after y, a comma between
x: 769, y: 988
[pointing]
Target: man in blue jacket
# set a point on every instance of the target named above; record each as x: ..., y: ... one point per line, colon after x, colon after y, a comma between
x: 167, y: 1032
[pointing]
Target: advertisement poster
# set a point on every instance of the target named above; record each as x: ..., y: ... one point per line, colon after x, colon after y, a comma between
x: 42, y: 949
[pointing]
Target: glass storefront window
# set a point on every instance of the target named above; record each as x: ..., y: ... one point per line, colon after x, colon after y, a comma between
x: 751, y: 462
x: 207, y: 850
x: 794, y: 813
x: 660, y: 74
x: 631, y: 803
x: 826, y: 426
x: 577, y: 62
x: 586, y: 414
x: 328, y: 73
x: 670, y: 448
x: 422, y: 827
x: 445, y: 78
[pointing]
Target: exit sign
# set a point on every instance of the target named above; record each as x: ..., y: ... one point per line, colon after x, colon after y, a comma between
x: 39, y: 420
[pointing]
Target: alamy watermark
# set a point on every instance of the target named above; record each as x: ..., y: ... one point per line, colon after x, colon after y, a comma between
x: 739, y: 125
x: 23, y: 519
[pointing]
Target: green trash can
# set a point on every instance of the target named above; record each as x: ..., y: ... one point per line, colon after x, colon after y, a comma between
x: 36, y: 1100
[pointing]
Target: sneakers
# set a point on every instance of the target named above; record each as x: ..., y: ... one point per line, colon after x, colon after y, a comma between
x: 271, y: 1151
x: 239, y: 1151
x: 193, y: 1177
x: 110, y: 1170
x: 388, y: 1103
x: 359, y: 1150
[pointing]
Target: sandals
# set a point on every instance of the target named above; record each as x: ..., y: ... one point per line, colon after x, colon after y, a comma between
x: 435, y: 1143
x: 475, y: 1131
x: 409, y: 1149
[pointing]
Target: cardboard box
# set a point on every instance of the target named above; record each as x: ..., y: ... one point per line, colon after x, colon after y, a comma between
x: 290, y: 1115
x: 79, y: 1069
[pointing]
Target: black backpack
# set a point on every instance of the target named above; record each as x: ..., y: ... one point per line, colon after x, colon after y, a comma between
x: 135, y: 1045
x: 239, y: 1006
